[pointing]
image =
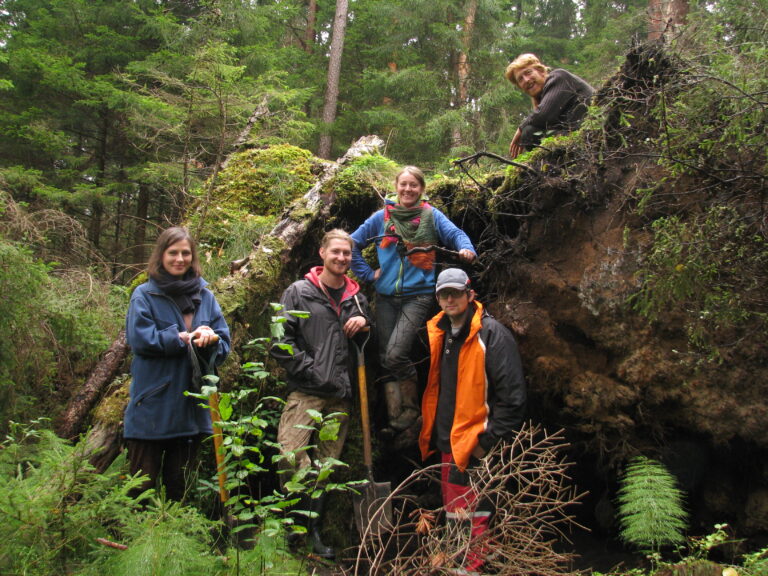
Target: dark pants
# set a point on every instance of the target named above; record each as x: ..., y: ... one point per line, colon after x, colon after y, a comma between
x: 168, y: 461
x: 398, y: 321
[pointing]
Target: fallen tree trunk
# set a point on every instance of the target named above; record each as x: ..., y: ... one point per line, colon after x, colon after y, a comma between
x: 72, y: 422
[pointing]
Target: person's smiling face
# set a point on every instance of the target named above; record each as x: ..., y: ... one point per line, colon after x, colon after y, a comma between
x: 177, y: 258
x: 409, y: 190
x: 531, y: 80
x: 337, y: 257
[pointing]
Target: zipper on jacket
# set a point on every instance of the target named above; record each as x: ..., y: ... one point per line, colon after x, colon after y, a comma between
x: 153, y: 392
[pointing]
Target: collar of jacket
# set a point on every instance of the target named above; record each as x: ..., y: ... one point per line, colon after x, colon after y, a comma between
x: 350, y: 286
x: 443, y: 323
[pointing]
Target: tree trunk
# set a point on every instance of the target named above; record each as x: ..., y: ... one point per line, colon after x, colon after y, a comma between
x: 309, y: 32
x: 334, y: 72
x: 140, y: 231
x: 463, y: 67
x: 665, y: 18
x: 72, y: 421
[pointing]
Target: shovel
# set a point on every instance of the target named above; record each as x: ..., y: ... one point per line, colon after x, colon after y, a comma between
x: 373, y: 508
x: 198, y: 374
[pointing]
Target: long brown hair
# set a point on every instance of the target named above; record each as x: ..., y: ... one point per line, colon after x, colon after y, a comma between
x: 168, y: 238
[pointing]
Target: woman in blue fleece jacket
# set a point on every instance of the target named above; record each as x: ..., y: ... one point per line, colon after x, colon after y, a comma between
x: 404, y: 286
x: 163, y: 427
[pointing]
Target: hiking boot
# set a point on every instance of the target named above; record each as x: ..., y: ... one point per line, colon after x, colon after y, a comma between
x: 409, y: 406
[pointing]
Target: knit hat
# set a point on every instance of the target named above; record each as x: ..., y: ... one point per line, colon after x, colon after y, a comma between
x: 452, y: 278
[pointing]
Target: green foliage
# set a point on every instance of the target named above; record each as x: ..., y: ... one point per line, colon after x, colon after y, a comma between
x: 165, y: 538
x: 756, y: 563
x: 52, y: 504
x: 247, y: 445
x: 59, y: 515
x: 651, y: 511
x: 258, y: 183
x: 367, y: 174
x: 241, y: 237
x: 61, y: 319
x: 710, y: 270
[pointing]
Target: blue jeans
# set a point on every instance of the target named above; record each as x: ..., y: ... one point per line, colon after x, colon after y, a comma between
x: 398, y: 319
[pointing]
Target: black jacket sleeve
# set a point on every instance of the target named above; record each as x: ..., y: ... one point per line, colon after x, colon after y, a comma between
x: 563, y: 104
x: 507, y: 389
x: 297, y: 361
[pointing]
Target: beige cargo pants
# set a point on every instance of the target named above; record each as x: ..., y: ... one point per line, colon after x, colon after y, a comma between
x: 298, y: 429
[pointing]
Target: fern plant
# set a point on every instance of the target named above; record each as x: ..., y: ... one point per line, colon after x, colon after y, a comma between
x: 651, y: 508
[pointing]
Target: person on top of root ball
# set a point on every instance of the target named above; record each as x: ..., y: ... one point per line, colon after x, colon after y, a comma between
x: 559, y: 100
x: 404, y: 289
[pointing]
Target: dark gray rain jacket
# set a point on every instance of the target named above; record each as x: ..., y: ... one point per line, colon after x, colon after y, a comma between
x: 320, y: 360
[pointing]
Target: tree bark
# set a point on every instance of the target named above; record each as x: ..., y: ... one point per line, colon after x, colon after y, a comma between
x: 309, y: 32
x: 463, y: 66
x: 140, y: 231
x: 665, y: 18
x: 334, y: 72
x: 73, y: 419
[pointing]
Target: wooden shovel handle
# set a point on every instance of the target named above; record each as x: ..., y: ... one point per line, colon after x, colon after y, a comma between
x: 218, y: 439
x: 218, y: 442
x: 364, y: 413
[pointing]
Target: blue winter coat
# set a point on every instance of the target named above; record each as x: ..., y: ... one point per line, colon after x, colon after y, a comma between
x: 399, y: 276
x: 161, y: 369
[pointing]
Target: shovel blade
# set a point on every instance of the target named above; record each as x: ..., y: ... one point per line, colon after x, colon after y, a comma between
x: 373, y: 508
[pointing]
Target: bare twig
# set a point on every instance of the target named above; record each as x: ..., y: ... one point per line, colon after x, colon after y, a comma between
x: 527, y: 483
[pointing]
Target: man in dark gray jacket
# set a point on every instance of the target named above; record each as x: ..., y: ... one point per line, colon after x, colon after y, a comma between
x: 314, y: 352
x: 559, y: 98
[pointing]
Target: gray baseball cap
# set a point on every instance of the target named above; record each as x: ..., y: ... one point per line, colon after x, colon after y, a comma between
x: 452, y: 278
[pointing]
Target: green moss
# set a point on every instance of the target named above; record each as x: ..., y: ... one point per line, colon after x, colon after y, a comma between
x: 110, y: 410
x: 257, y: 184
x: 367, y: 174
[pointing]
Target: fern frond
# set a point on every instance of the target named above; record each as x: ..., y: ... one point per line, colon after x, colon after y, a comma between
x: 651, y: 506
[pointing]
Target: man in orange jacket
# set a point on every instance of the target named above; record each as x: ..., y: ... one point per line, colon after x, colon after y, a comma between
x: 475, y: 397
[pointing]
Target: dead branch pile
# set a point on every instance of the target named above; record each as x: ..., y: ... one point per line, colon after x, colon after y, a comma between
x: 528, y: 484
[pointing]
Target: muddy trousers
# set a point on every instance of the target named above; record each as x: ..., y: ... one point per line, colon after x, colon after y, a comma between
x: 172, y: 462
x: 296, y: 429
x: 295, y: 432
x: 467, y: 516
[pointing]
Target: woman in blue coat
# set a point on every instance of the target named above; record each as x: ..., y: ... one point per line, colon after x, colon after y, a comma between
x: 163, y: 427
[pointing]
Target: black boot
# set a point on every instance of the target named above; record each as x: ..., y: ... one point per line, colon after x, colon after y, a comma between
x: 314, y: 526
x: 294, y: 539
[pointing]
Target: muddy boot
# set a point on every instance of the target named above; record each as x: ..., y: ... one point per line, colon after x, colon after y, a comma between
x: 314, y: 526
x: 394, y: 405
x: 409, y: 437
x: 409, y: 396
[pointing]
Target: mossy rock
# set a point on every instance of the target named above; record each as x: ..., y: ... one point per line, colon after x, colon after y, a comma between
x: 256, y: 185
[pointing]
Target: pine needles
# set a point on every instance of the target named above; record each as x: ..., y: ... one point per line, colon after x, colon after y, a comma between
x: 651, y: 511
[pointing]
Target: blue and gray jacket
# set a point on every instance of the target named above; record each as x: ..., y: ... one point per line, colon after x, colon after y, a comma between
x: 398, y: 275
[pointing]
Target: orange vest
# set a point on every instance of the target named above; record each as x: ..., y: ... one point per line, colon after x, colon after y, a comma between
x: 471, y: 412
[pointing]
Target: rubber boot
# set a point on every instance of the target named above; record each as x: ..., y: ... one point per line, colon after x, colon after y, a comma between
x: 393, y: 399
x: 314, y: 526
x: 409, y: 395
x: 295, y: 540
